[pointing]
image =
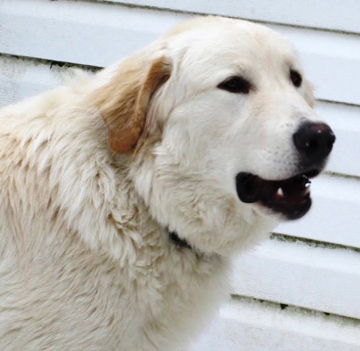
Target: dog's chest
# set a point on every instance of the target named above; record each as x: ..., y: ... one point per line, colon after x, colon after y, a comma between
x: 174, y: 299
x: 86, y: 301
x: 154, y: 296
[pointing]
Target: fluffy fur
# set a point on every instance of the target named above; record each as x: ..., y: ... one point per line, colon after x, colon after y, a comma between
x: 93, y: 175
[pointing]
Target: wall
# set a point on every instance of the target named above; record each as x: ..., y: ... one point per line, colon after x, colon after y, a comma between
x: 301, y: 289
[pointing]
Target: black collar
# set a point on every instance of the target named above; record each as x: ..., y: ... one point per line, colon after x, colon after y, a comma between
x: 178, y: 241
x: 183, y: 244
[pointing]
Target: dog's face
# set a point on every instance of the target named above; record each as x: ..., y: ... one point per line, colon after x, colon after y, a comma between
x: 239, y: 138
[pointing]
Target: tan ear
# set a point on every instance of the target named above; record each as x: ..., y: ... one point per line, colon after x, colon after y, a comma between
x: 123, y: 102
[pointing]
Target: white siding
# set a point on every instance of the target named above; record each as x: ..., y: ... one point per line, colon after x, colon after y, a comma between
x: 287, y: 270
x: 246, y: 325
x: 313, y: 277
x: 67, y: 31
x: 329, y: 14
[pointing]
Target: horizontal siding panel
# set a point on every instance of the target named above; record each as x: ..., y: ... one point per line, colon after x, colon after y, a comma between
x: 294, y: 273
x: 98, y: 34
x: 252, y: 326
x: 328, y: 14
x: 345, y: 121
x: 22, y: 77
x: 78, y: 32
x: 334, y: 216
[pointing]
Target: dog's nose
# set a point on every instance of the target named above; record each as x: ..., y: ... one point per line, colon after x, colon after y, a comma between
x: 314, y: 141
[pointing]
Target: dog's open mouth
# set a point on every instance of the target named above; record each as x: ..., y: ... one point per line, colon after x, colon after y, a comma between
x: 289, y: 197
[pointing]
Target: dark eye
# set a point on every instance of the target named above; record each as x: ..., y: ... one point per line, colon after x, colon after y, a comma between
x: 236, y: 85
x: 295, y: 78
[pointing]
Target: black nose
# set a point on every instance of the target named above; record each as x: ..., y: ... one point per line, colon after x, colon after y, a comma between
x: 314, y: 141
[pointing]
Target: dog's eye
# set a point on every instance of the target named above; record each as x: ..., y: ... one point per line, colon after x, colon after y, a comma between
x: 236, y: 85
x: 295, y: 78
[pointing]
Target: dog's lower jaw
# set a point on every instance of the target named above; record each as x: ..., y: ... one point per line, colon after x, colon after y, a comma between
x: 236, y: 241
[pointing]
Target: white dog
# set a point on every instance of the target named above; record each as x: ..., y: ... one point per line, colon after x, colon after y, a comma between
x: 122, y: 196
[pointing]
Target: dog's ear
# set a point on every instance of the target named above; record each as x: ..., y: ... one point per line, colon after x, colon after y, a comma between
x: 124, y: 101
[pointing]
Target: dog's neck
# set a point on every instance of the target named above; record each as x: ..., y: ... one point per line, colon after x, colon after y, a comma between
x: 184, y: 244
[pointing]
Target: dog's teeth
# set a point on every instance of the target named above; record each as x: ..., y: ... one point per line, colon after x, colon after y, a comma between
x: 280, y: 192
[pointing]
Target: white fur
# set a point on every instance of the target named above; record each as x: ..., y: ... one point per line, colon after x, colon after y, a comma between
x: 86, y: 262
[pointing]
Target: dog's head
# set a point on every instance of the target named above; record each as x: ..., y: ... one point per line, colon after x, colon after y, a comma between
x: 220, y: 115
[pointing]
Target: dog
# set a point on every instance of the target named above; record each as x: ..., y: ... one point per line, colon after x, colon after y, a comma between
x: 124, y: 195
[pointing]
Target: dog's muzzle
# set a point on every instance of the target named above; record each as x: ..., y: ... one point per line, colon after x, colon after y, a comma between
x: 291, y: 197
